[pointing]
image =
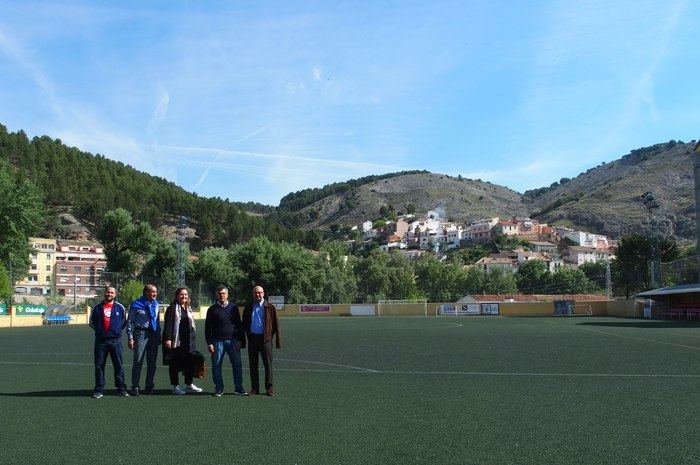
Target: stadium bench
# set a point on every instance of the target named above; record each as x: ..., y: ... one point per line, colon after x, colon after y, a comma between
x: 57, y: 319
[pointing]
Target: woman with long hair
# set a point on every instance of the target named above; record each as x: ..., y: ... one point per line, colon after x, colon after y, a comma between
x: 179, y: 341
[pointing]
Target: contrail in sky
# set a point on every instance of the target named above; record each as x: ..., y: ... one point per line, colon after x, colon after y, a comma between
x: 211, y: 163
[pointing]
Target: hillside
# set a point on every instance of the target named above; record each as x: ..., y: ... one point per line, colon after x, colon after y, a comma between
x: 457, y: 198
x: 88, y: 185
x: 608, y: 198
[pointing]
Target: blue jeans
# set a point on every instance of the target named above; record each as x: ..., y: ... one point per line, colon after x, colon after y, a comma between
x: 227, y: 346
x: 113, y: 348
x: 146, y: 344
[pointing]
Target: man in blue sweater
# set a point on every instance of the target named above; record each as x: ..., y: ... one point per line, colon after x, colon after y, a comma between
x: 224, y: 334
x: 107, y: 319
x: 143, y: 329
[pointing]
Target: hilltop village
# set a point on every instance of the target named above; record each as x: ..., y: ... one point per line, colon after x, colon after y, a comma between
x: 555, y: 246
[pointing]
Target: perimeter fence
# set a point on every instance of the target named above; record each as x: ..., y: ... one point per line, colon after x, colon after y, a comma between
x: 685, y: 270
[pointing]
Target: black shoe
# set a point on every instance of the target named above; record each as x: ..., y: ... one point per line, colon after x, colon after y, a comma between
x: 149, y: 392
x: 218, y: 393
x: 270, y: 392
x: 240, y: 392
x: 97, y: 395
x: 122, y: 392
x: 135, y: 392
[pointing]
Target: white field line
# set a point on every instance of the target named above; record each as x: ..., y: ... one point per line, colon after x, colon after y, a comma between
x: 357, y: 370
x: 369, y: 370
x: 645, y: 339
x: 636, y: 338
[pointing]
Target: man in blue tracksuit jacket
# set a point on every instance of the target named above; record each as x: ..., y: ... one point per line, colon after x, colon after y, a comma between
x: 108, y: 319
x: 143, y: 330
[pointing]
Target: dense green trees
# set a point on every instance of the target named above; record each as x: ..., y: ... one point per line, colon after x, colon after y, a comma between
x: 384, y: 276
x: 5, y: 287
x: 631, y: 271
x: 93, y: 184
x: 533, y: 277
x: 22, y: 215
x: 128, y: 246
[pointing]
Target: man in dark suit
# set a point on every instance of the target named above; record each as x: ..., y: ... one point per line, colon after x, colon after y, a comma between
x: 260, y: 324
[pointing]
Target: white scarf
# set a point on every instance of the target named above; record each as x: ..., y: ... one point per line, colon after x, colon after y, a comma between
x: 178, y: 317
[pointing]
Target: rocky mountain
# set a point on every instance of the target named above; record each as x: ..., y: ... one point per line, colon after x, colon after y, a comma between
x: 610, y: 198
x: 454, y: 197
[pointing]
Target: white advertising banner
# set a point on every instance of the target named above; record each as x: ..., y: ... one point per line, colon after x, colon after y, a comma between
x: 446, y: 309
x: 362, y: 310
x: 277, y: 301
x: 470, y: 309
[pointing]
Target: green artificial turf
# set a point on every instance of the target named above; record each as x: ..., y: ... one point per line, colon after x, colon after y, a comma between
x: 394, y: 390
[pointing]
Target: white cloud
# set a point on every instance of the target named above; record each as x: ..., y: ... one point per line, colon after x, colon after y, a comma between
x: 17, y: 53
x: 317, y: 72
x: 161, y: 108
x: 218, y: 155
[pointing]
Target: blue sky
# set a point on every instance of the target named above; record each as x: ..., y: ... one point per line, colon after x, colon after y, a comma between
x: 253, y: 100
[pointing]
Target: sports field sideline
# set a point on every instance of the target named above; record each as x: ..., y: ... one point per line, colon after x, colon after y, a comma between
x: 392, y: 390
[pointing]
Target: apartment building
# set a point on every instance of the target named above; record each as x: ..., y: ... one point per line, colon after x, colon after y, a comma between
x: 43, y: 260
x: 78, y: 268
x: 481, y: 230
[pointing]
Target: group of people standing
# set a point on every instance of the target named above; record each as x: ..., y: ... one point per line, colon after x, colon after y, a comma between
x: 225, y: 332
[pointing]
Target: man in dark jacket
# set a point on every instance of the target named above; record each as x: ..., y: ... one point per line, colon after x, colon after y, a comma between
x: 108, y: 319
x: 224, y: 334
x: 260, y: 324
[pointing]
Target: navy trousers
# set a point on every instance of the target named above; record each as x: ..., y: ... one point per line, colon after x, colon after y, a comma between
x: 113, y: 348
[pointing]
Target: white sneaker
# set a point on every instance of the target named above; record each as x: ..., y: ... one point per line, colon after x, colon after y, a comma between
x: 192, y: 388
x: 178, y: 391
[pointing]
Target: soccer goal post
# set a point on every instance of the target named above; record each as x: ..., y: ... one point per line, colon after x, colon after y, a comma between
x: 413, y: 307
x: 571, y: 308
x: 582, y: 310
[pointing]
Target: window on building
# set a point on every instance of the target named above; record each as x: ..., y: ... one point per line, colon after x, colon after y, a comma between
x: 44, y: 246
x: 34, y: 267
x: 63, y: 280
x: 63, y: 268
x: 76, y: 268
x: 48, y: 267
x: 33, y: 278
x: 51, y: 247
x: 48, y: 256
x: 48, y: 279
x: 34, y: 256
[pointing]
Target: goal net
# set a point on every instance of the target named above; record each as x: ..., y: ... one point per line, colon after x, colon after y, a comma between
x: 571, y: 308
x: 582, y: 310
x: 414, y: 307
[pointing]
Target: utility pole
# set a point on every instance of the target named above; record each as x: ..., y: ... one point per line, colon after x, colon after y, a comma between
x: 608, y: 281
x: 75, y: 287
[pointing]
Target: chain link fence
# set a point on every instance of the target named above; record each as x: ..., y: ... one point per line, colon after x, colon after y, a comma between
x: 130, y: 288
x: 682, y: 271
